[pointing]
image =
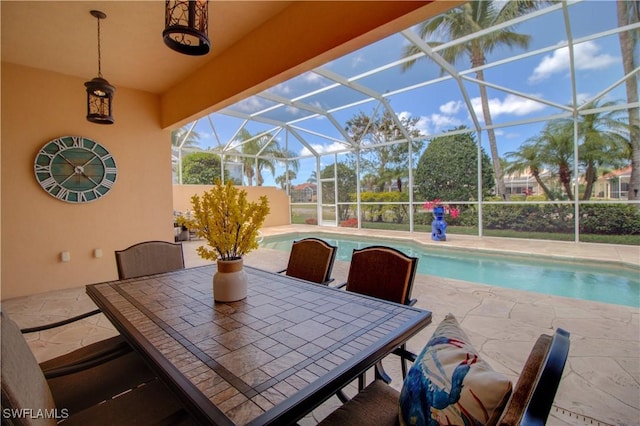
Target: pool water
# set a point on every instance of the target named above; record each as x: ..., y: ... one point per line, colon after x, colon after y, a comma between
x: 617, y: 285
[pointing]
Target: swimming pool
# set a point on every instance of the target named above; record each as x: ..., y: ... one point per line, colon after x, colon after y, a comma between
x: 617, y: 285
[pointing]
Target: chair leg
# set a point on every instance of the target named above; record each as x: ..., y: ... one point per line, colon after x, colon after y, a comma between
x: 342, y: 397
x: 381, y: 374
x: 362, y: 381
x: 403, y: 362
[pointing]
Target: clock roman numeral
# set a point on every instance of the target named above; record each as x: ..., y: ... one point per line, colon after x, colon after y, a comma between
x: 76, y: 142
x: 42, y: 168
x: 46, y: 154
x: 63, y: 194
x: 49, y: 183
x: 106, y: 157
x: 107, y: 183
x: 60, y: 144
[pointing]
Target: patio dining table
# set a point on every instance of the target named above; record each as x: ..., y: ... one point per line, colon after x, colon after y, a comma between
x: 268, y: 359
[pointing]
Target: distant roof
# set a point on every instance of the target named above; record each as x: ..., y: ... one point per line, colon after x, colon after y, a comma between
x: 624, y: 172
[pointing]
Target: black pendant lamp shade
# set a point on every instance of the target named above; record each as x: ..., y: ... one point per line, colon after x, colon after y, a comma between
x: 186, y: 26
x: 99, y: 91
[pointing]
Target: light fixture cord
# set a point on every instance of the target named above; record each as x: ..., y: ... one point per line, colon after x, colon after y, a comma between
x: 99, y: 58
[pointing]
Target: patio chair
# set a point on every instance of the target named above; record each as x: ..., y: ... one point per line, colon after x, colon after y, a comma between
x: 117, y: 391
x: 148, y: 258
x: 385, y: 273
x: 489, y: 398
x: 311, y: 259
x: 86, y: 356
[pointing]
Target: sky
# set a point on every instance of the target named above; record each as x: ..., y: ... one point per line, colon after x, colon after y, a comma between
x: 439, y: 105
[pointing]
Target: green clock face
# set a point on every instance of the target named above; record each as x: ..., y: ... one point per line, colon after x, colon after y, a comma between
x: 75, y: 169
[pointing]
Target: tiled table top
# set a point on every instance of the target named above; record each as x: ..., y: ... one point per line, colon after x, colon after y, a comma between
x: 269, y: 358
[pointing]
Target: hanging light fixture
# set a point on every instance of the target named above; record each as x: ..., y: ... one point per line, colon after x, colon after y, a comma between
x: 186, y: 26
x: 99, y: 91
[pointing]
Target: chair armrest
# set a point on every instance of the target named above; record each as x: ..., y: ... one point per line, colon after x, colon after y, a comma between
x: 94, y: 360
x: 60, y: 323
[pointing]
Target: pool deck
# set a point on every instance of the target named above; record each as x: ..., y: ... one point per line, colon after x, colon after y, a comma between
x: 601, y: 381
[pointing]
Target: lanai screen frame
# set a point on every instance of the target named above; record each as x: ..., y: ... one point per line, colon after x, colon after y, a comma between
x: 295, y: 128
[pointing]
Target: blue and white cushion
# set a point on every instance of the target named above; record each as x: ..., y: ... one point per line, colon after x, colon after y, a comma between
x: 449, y: 384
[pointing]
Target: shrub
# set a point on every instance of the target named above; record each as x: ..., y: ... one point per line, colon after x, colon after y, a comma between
x: 618, y: 219
x: 397, y: 213
x: 349, y: 223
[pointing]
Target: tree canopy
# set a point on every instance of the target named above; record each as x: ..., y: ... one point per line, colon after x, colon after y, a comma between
x: 201, y: 168
x: 384, y: 162
x: 448, y: 168
x: 346, y: 183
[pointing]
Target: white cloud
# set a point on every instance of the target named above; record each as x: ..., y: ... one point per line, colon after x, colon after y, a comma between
x: 423, y: 125
x: 587, y: 57
x: 442, y: 121
x: 251, y: 104
x: 451, y: 107
x: 282, y: 89
x: 311, y: 77
x: 403, y: 115
x: 292, y: 110
x: 322, y: 149
x: 511, y: 104
x: 357, y: 60
x: 580, y: 98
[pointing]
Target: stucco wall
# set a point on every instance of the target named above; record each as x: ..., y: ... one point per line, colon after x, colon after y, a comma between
x: 279, y: 204
x: 38, y: 106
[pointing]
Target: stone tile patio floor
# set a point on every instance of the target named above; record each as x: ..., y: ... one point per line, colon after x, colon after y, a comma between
x: 601, y: 381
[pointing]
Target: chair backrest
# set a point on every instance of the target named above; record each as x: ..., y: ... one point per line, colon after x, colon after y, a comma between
x: 382, y: 272
x: 311, y: 259
x: 23, y: 383
x: 532, y: 398
x: 149, y: 257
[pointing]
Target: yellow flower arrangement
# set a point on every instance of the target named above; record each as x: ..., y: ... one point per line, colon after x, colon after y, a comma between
x: 228, y: 222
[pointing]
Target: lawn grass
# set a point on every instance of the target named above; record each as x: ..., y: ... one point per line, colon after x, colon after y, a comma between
x: 503, y: 233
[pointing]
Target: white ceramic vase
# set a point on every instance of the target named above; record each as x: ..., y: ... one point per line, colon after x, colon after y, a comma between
x: 230, y: 281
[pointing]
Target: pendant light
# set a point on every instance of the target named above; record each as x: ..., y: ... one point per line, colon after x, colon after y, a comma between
x: 99, y: 91
x: 186, y: 26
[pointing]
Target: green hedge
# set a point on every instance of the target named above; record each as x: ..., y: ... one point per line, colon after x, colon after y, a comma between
x: 615, y: 219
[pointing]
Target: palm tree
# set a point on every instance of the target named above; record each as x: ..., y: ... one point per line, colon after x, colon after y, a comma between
x: 605, y: 139
x: 555, y: 149
x: 286, y: 177
x: 469, y: 18
x: 313, y: 177
x: 528, y: 159
x: 261, y: 153
x: 628, y: 13
x: 182, y: 138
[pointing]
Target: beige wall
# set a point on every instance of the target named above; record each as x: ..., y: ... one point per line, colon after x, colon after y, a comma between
x: 38, y: 106
x: 279, y: 205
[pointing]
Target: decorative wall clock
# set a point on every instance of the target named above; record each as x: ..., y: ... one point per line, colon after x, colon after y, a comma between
x: 75, y: 169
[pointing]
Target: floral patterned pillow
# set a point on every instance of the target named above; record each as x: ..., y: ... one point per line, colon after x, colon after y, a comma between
x: 449, y: 384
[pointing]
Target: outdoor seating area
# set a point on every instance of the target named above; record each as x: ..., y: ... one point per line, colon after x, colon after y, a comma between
x: 82, y: 388
x: 505, y: 343
x: 490, y: 397
x: 478, y: 163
